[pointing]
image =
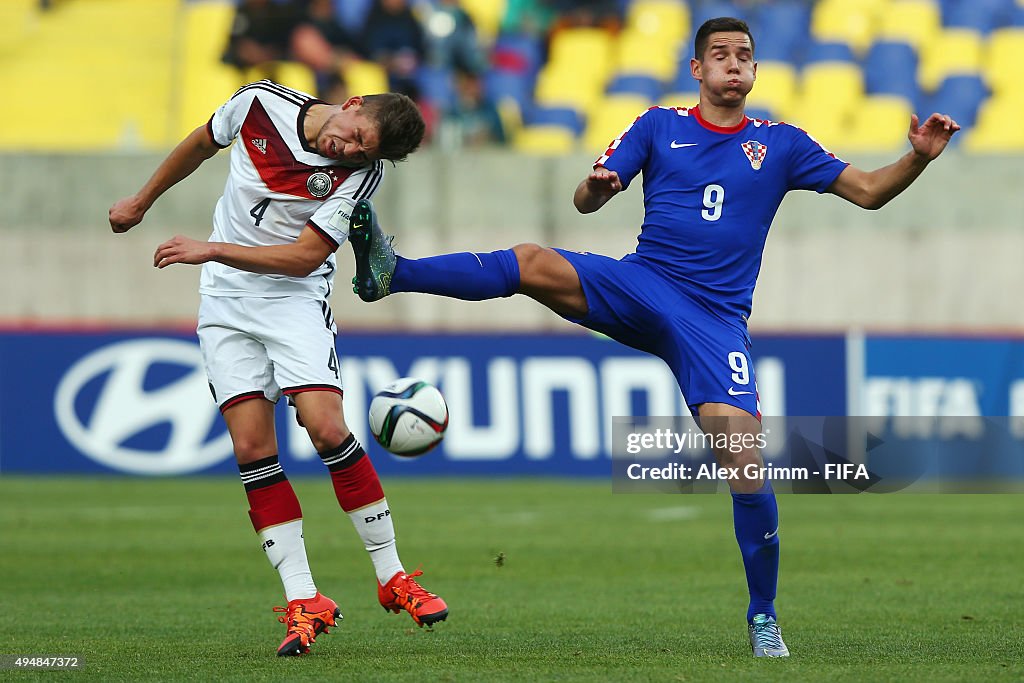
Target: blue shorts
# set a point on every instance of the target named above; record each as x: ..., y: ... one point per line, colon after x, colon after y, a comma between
x: 633, y: 304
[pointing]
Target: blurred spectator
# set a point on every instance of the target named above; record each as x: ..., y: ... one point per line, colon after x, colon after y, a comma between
x: 393, y: 37
x: 452, y: 41
x: 606, y: 14
x: 472, y: 120
x: 262, y: 32
x: 268, y: 31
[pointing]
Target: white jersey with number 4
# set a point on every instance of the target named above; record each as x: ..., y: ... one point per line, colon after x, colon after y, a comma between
x: 276, y: 187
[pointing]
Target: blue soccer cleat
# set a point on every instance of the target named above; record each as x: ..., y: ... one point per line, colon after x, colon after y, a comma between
x: 766, y: 637
x: 375, y: 257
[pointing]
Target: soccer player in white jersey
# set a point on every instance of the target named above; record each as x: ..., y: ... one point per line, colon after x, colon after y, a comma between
x: 713, y: 179
x: 297, y: 168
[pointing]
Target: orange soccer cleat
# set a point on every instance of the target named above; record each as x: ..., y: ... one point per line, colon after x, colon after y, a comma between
x: 305, y: 619
x: 403, y: 592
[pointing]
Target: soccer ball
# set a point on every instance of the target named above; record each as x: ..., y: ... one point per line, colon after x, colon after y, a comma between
x: 408, y: 417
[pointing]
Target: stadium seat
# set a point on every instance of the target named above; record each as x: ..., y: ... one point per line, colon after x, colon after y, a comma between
x: 563, y: 117
x: 982, y: 16
x: 586, y: 50
x: 518, y: 53
x: 665, y: 21
x: 960, y: 97
x: 639, y: 53
x: 828, y: 93
x: 352, y: 13
x: 508, y: 86
x: 544, y: 140
x: 911, y: 21
x: 878, y: 124
x: 774, y: 89
x: 847, y: 22
x: 1005, y: 47
x: 890, y: 68
x: 486, y: 16
x: 607, y: 122
x: 366, y: 77
x: 822, y: 51
x: 19, y: 18
x: 951, y: 52
x: 684, y: 81
x: 560, y: 87
x: 635, y: 84
x: 783, y: 28
x: 708, y: 9
x: 991, y: 134
x: 436, y: 86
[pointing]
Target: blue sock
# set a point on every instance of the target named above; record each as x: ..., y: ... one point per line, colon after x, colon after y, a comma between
x: 756, y: 515
x: 467, y: 275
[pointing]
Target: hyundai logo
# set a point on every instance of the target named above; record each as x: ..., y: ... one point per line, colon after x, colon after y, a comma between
x: 123, y: 408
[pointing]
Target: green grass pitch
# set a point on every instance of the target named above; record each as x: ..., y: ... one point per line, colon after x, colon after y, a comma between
x: 165, y: 580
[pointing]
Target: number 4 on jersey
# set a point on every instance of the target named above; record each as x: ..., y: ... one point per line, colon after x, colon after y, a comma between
x: 257, y: 211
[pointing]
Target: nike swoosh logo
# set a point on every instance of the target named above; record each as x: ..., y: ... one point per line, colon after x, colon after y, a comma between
x: 733, y: 392
x: 677, y: 145
x: 769, y: 536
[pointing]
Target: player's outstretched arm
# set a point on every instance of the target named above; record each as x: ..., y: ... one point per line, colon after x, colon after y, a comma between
x: 179, y: 164
x: 596, y: 189
x: 298, y: 259
x: 874, y: 189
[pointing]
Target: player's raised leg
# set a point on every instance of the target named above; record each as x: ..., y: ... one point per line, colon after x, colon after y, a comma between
x: 360, y: 494
x: 755, y: 519
x: 542, y: 274
x: 277, y: 518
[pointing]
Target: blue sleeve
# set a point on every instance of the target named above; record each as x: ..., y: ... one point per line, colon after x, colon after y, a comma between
x: 811, y: 167
x: 628, y: 153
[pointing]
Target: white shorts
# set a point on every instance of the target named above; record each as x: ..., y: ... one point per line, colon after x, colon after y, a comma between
x: 265, y: 347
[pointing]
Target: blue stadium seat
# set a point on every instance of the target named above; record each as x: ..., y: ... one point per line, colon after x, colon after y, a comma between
x: 500, y: 84
x: 958, y: 96
x: 890, y: 68
x: 563, y: 117
x: 980, y: 15
x: 819, y: 51
x: 758, y: 113
x: 515, y: 52
x: 436, y: 85
x: 683, y: 82
x: 783, y: 28
x: 1016, y: 17
x: 352, y: 13
x: 708, y: 9
x: 635, y: 84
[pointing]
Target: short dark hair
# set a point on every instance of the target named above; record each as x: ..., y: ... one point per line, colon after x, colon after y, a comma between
x: 718, y: 25
x: 400, y: 125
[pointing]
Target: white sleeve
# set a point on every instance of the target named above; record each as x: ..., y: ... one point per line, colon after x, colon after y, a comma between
x: 331, y: 220
x: 225, y: 123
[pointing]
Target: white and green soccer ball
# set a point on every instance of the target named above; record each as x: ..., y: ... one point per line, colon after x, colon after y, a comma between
x: 408, y: 417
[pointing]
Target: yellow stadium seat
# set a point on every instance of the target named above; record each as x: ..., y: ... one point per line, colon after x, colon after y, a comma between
x: 678, y: 99
x: 19, y: 19
x: 637, y: 53
x: 609, y: 119
x: 562, y: 87
x: 205, y: 30
x: 365, y: 78
x: 486, y: 16
x: 1005, y: 47
x: 912, y: 21
x: 666, y: 21
x: 842, y: 21
x: 585, y: 51
x: 544, y: 140
x: 992, y: 134
x: 774, y: 88
x: 204, y: 88
x: 833, y: 88
x: 951, y: 53
x: 878, y: 124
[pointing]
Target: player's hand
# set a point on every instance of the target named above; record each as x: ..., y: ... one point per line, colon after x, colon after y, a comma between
x: 603, y: 182
x: 931, y: 137
x: 181, y: 249
x: 126, y: 214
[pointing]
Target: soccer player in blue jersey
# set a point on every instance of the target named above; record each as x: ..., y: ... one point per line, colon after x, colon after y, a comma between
x: 713, y: 180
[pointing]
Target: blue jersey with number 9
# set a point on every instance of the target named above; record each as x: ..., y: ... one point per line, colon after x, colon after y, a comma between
x: 710, y: 194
